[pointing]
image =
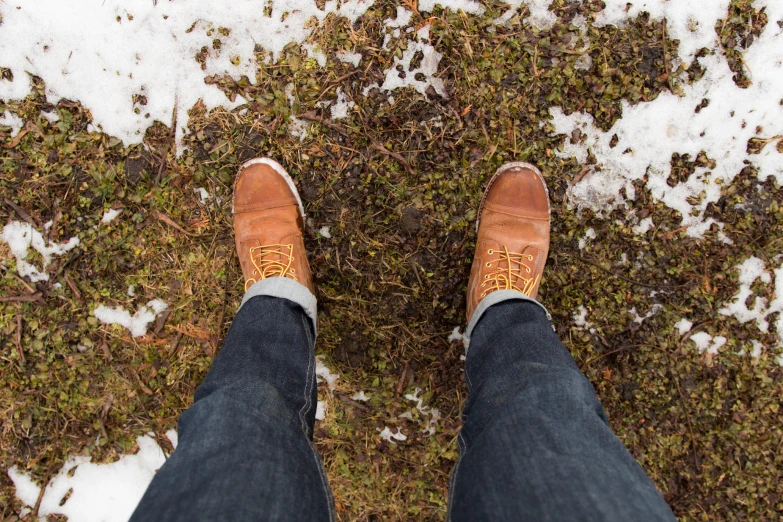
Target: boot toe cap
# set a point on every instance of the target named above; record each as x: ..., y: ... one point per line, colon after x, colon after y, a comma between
x: 519, y: 188
x: 260, y: 185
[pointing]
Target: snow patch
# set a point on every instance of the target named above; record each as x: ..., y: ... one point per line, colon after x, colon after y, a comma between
x: 430, y: 415
x: 540, y: 16
x: 639, y: 319
x: 643, y: 141
x: 643, y: 226
x: 751, y: 270
x: 580, y: 320
x: 21, y: 237
x: 341, y: 106
x: 324, y: 232
x: 683, y: 326
x: 706, y: 342
x: 12, y: 120
x: 203, y: 194
x: 103, y: 54
x: 693, y: 23
x: 324, y: 374
x: 315, y: 53
x: 352, y: 58
x: 110, y: 215
x: 455, y: 335
x: 320, y: 410
x: 589, y: 235
x: 360, y: 396
x: 138, y: 323
x: 99, y: 492
x: 390, y: 436
x: 421, y: 77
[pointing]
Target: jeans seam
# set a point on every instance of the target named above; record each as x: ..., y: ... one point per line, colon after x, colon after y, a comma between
x: 467, y: 379
x: 303, y: 413
x: 306, y: 407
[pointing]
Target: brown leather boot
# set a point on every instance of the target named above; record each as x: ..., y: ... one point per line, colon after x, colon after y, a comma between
x: 513, y: 234
x: 269, y: 224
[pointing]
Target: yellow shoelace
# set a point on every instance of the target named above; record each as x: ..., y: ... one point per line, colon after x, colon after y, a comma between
x: 511, y: 276
x: 265, y: 267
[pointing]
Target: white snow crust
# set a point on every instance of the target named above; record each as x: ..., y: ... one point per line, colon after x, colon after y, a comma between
x: 137, y: 323
x: 102, y: 53
x: 100, y: 492
x: 21, y: 237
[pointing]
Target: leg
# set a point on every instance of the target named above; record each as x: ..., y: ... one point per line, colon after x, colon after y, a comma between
x: 244, y: 448
x: 535, y: 443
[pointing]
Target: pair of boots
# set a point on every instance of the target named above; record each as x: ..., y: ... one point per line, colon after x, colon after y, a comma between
x: 511, y: 247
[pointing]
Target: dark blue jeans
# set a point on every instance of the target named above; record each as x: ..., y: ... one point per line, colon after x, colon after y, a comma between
x: 535, y: 443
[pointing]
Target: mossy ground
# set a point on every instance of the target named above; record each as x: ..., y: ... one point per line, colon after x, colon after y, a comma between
x: 391, y: 280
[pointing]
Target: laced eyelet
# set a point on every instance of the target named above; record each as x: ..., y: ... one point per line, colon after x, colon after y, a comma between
x: 528, y: 270
x: 255, y: 272
x: 490, y: 251
x: 483, y: 284
x: 486, y: 276
x: 530, y: 258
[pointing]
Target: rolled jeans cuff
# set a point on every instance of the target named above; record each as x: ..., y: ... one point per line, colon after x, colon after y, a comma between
x: 494, y: 298
x: 287, y: 289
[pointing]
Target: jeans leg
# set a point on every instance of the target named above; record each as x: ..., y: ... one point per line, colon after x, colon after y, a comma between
x: 245, y: 447
x: 535, y: 444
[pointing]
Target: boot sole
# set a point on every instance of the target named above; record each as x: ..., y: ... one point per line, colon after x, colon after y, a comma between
x: 280, y: 170
x: 503, y: 168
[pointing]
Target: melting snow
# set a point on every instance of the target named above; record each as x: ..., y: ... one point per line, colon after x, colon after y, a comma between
x: 360, y: 396
x: 455, y: 335
x: 388, y: 435
x: 683, y: 326
x: 103, y: 54
x: 22, y: 236
x: 580, y: 319
x: 589, y: 235
x: 639, y: 319
x: 324, y: 231
x: 352, y: 58
x: 706, y: 342
x: 320, y: 411
x: 203, y: 194
x: 12, y: 120
x: 643, y: 226
x: 693, y: 23
x: 137, y: 324
x: 110, y: 215
x: 323, y: 374
x: 751, y: 270
x: 98, y: 492
x: 341, y: 106
x: 540, y: 16
x: 649, y: 133
x: 432, y: 415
